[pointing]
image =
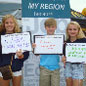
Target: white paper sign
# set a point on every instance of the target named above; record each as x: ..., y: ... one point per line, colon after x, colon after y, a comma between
x: 76, y: 52
x: 12, y: 42
x: 49, y: 44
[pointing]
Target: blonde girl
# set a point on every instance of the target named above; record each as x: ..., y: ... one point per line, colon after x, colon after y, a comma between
x: 74, y: 71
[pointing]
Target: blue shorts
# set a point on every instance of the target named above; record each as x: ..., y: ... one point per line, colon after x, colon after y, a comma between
x: 84, y: 71
x: 74, y: 70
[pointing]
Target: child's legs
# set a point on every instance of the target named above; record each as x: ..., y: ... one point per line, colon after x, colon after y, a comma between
x: 74, y: 82
x: 77, y: 82
x: 84, y: 80
x: 44, y: 77
x: 69, y: 81
x: 68, y: 74
x: 17, y: 77
x: 4, y: 82
x: 77, y: 74
x: 55, y: 78
x: 16, y: 80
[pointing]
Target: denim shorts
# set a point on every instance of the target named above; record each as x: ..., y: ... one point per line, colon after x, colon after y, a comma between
x: 74, y: 70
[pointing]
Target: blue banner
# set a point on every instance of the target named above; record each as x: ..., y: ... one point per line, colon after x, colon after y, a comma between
x: 46, y: 8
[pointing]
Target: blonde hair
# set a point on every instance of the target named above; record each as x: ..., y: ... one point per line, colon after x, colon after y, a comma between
x: 2, y: 26
x: 80, y: 32
x: 50, y: 22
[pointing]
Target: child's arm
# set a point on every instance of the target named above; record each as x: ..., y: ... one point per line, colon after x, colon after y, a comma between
x: 34, y: 46
x: 63, y: 57
x: 63, y: 60
x: 21, y: 55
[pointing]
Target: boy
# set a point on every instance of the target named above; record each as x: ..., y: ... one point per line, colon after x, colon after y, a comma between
x: 49, y: 64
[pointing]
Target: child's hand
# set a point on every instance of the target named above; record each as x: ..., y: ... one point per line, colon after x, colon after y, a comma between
x: 33, y: 45
x: 64, y: 60
x: 19, y: 54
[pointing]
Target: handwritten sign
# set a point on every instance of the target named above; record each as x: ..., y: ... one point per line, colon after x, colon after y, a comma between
x: 49, y: 44
x: 12, y: 42
x: 76, y: 52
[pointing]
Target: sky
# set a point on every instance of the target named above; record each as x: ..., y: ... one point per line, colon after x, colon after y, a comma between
x: 78, y: 5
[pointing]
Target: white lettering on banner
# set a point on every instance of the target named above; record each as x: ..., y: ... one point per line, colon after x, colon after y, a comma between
x: 52, y: 6
x: 43, y: 14
x: 46, y: 6
x: 33, y: 5
x: 12, y: 42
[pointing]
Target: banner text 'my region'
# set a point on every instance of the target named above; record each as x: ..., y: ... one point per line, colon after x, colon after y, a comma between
x: 46, y: 8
